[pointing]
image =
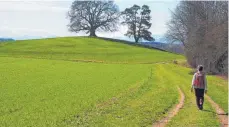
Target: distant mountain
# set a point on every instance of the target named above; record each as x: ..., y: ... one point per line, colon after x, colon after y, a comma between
x: 160, y: 43
x: 158, y: 38
x: 27, y: 37
x: 177, y: 48
x: 6, y: 39
x: 155, y: 44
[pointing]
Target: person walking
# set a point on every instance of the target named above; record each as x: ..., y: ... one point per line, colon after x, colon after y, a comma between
x: 199, y: 83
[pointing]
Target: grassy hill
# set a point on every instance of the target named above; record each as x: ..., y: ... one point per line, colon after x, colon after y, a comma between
x: 85, y: 49
x: 94, y: 82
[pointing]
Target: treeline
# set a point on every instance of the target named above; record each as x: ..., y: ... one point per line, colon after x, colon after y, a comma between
x: 202, y: 27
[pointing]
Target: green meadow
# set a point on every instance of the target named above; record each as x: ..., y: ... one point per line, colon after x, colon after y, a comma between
x: 84, y: 49
x: 93, y: 82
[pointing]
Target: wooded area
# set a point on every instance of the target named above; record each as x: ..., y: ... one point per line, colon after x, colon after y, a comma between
x: 202, y: 27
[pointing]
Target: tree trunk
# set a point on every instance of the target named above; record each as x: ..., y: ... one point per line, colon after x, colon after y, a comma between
x: 92, y: 33
x: 136, y: 39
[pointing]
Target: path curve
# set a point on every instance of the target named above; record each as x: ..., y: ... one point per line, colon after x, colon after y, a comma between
x: 220, y: 112
x: 173, y: 112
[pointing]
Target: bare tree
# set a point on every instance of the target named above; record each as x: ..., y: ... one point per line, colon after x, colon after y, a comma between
x: 202, y: 27
x: 90, y: 16
x: 138, y: 21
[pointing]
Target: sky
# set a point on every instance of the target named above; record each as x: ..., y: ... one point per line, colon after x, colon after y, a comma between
x: 29, y: 19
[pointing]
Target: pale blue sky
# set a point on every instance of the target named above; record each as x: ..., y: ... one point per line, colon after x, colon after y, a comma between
x: 33, y: 19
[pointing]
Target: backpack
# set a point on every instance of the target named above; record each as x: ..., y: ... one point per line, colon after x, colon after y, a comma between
x: 199, y: 80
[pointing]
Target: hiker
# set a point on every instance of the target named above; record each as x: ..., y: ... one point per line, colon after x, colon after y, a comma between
x: 199, y: 83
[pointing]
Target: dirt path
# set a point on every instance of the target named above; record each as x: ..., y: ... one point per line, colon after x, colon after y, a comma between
x: 171, y: 113
x: 219, y: 111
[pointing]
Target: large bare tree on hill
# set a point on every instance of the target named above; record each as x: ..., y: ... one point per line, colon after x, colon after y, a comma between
x: 92, y: 16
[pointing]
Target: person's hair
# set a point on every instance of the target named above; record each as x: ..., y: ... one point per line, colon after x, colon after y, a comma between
x: 200, y: 68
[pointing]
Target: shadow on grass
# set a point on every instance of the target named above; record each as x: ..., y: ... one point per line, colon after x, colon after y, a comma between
x: 205, y: 110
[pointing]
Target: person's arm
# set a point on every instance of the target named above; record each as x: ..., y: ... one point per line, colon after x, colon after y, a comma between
x: 205, y: 83
x: 193, y: 80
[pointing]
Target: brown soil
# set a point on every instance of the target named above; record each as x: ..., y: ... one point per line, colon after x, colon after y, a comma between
x: 223, y: 117
x: 171, y: 113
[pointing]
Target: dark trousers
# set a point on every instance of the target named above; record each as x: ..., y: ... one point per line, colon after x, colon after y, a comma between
x: 199, y: 96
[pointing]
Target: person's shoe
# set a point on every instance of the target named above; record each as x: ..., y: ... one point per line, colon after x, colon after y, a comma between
x: 201, y: 107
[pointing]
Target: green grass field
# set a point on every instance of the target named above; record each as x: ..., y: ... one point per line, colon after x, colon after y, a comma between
x: 84, y: 49
x: 93, y: 82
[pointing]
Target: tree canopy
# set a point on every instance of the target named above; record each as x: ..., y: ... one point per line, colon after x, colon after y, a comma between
x: 92, y: 16
x: 138, y: 21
